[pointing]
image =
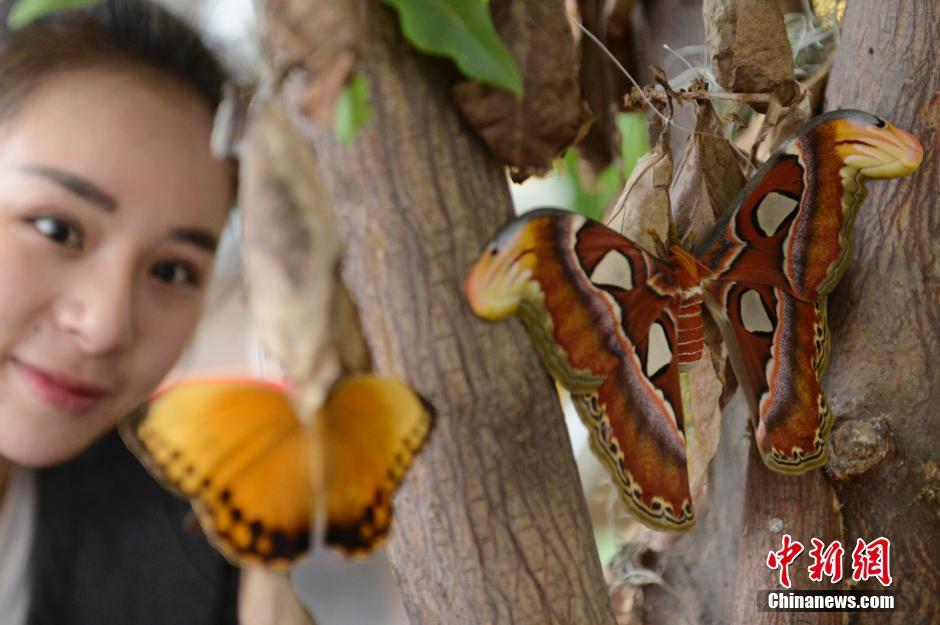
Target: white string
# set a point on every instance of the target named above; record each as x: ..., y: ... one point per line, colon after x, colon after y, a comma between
x: 666, y: 120
x: 616, y: 62
x: 679, y: 56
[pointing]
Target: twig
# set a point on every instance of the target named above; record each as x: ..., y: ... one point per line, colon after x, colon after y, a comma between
x: 635, y: 100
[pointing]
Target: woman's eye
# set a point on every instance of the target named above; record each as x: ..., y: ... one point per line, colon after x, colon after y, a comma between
x: 175, y: 273
x: 58, y: 230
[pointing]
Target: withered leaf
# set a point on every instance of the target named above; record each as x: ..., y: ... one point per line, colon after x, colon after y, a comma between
x: 747, y: 45
x: 642, y: 212
x: 528, y: 134
x: 597, y: 148
x: 778, y: 128
x: 707, y: 179
x: 305, y: 317
x: 706, y: 183
x: 703, y: 425
x: 787, y: 123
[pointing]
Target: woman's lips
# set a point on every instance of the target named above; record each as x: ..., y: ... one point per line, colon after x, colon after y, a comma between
x: 60, y: 391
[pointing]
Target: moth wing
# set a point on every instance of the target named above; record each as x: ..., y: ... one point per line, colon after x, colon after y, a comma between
x: 791, y: 226
x: 780, y: 248
x: 602, y: 313
x: 637, y: 430
x: 779, y: 348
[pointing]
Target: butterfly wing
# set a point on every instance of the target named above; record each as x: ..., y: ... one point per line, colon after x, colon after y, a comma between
x: 603, y: 316
x: 373, y: 429
x: 774, y: 257
x: 239, y: 453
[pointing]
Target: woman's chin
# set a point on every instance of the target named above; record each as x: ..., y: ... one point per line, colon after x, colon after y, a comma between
x: 40, y: 441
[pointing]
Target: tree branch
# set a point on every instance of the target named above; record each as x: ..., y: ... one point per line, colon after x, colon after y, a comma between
x: 491, y: 525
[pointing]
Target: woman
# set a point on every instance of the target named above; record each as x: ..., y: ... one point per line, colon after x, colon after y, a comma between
x: 110, y: 209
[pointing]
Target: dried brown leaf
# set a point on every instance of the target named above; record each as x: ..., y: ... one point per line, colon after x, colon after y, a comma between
x: 708, y: 177
x: 597, y: 147
x: 703, y: 426
x: 305, y: 317
x: 787, y: 123
x: 707, y: 181
x: 747, y: 45
x: 328, y: 54
x: 642, y: 213
x: 528, y: 134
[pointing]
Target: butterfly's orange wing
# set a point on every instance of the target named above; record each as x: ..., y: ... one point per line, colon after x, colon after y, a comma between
x: 239, y: 453
x: 372, y: 428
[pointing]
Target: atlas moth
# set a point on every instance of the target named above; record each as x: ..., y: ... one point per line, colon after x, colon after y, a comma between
x: 614, y: 324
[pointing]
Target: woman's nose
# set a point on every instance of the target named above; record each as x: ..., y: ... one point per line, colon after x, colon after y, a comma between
x: 97, y: 311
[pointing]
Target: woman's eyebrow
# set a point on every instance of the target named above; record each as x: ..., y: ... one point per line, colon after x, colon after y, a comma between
x: 81, y: 187
x: 196, y: 236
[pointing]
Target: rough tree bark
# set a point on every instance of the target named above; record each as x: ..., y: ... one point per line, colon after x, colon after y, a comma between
x: 884, y: 476
x: 883, y: 381
x: 491, y: 525
x: 883, y: 472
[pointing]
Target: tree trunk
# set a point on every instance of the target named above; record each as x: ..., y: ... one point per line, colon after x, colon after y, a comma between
x: 883, y: 472
x: 883, y: 382
x: 491, y: 525
x: 883, y: 478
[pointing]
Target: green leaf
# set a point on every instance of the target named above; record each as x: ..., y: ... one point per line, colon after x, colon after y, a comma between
x: 25, y: 11
x: 591, y: 202
x: 461, y: 30
x: 352, y: 108
x: 634, y: 140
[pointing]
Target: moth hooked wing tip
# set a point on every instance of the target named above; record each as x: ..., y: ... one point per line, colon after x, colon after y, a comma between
x: 500, y: 278
x: 878, y: 149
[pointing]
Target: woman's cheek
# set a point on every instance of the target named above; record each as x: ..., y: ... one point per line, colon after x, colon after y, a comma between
x: 163, y: 334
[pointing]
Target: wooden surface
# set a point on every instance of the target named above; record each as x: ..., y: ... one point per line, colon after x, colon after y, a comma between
x: 884, y: 382
x: 884, y: 474
x: 491, y: 525
x: 804, y: 507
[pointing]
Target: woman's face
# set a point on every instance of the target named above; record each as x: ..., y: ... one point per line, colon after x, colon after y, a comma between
x: 110, y: 208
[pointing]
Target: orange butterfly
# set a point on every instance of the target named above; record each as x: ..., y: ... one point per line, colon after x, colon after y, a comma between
x: 253, y: 470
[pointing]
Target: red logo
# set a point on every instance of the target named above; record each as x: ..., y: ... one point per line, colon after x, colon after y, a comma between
x: 826, y: 561
x: 783, y: 558
x: 872, y: 560
x: 869, y: 560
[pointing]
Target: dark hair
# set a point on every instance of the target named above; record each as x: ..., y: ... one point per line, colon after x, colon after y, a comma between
x: 116, y: 33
